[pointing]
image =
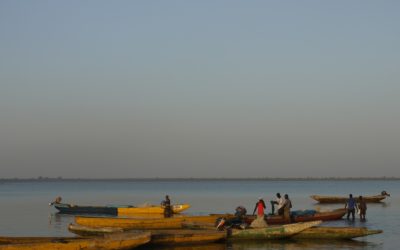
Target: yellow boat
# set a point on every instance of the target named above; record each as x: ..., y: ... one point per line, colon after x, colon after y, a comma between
x: 117, y: 241
x: 159, y: 237
x: 139, y: 223
x: 177, y: 208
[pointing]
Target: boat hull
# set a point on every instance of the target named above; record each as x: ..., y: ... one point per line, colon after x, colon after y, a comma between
x: 108, y: 242
x: 108, y: 210
x: 338, y: 233
x: 151, y: 209
x: 159, y: 237
x: 336, y: 214
x: 343, y: 200
x: 142, y: 224
x: 271, y: 233
x: 72, y: 209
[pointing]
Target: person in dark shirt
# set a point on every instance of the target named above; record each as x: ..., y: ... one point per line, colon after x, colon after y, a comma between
x: 351, y: 206
x: 167, y: 207
x: 362, y: 206
x: 287, y: 205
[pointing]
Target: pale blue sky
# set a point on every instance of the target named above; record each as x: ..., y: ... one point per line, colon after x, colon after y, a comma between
x: 199, y: 88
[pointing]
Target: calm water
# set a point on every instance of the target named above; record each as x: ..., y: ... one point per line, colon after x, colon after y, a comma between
x: 24, y: 207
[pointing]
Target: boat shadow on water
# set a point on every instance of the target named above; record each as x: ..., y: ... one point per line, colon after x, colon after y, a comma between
x: 303, y: 244
x: 277, y: 244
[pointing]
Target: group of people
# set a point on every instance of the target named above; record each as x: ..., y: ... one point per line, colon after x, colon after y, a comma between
x: 284, y: 204
x: 353, y: 205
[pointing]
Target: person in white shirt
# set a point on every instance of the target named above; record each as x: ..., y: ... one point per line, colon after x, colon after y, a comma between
x: 279, y: 201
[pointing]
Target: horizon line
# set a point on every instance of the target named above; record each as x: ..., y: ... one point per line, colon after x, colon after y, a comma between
x: 41, y: 178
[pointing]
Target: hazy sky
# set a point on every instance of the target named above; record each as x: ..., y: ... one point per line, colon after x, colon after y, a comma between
x: 199, y: 88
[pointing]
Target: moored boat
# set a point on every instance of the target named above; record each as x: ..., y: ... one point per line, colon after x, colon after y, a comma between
x: 108, y: 242
x: 323, y: 216
x: 182, y: 236
x: 335, y: 233
x: 279, y: 220
x: 152, y: 209
x: 138, y: 223
x: 93, y: 231
x: 74, y: 209
x: 159, y: 237
x: 117, y: 210
x: 272, y: 232
x: 343, y: 199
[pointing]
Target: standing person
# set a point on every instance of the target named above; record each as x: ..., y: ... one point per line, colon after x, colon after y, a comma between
x: 167, y: 207
x: 279, y: 202
x: 287, y: 205
x: 362, y: 206
x: 259, y: 222
x: 351, y: 206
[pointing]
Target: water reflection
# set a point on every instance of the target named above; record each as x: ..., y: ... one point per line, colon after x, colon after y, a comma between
x: 274, y: 245
x: 213, y: 246
x: 299, y: 245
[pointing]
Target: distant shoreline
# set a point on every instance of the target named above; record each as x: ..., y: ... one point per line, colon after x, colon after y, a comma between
x: 60, y: 179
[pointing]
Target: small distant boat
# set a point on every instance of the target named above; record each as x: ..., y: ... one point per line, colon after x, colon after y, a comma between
x: 272, y: 232
x: 140, y: 223
x: 107, y: 242
x: 159, y: 237
x: 338, y: 233
x: 343, y: 199
x: 117, y: 210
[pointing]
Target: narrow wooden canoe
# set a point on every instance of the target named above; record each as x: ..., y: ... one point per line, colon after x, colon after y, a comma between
x: 122, y: 210
x: 182, y: 236
x: 177, y: 208
x: 271, y: 233
x: 107, y: 242
x: 343, y: 199
x: 336, y: 214
x: 93, y: 231
x: 137, y: 223
x: 74, y: 209
x: 159, y: 237
x: 335, y: 233
x: 279, y: 220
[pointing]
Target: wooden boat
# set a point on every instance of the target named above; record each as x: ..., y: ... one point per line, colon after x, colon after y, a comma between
x: 107, y: 242
x: 271, y: 233
x: 335, y: 233
x: 118, y: 210
x: 136, y: 223
x: 278, y: 220
x: 323, y: 216
x: 182, y: 236
x: 159, y: 237
x: 177, y: 208
x: 92, y: 231
x: 74, y: 209
x: 343, y: 199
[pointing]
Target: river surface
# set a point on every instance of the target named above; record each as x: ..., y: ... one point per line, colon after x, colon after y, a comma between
x: 24, y: 209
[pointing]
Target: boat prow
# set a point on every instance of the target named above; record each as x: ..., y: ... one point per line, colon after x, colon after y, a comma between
x: 271, y: 232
